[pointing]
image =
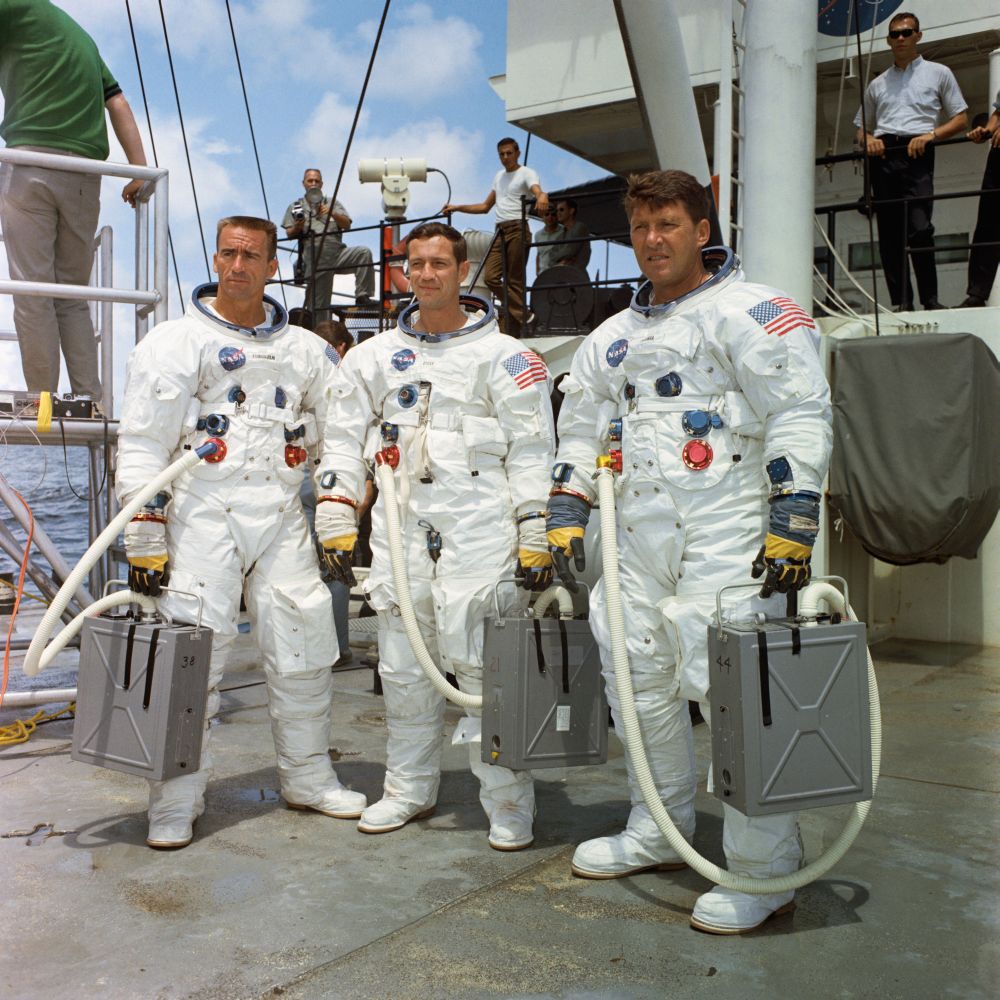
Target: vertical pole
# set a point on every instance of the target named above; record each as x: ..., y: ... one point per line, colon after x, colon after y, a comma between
x: 779, y: 83
x: 994, y: 297
x: 141, y: 263
x: 723, y: 144
x: 831, y: 271
x: 161, y: 247
x: 106, y: 311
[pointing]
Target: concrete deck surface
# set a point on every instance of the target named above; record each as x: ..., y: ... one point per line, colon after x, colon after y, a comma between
x: 269, y: 902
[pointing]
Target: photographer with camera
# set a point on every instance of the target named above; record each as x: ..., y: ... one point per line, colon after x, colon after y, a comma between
x: 309, y: 218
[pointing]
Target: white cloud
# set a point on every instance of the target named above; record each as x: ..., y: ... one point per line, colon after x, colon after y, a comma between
x: 422, y: 58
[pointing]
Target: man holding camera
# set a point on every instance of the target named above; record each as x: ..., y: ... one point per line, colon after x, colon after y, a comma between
x: 319, y: 223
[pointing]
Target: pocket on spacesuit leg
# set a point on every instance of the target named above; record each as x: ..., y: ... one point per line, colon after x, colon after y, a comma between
x: 294, y: 625
x: 686, y: 620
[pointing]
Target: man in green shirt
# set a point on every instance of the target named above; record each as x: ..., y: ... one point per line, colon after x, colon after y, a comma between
x: 56, y: 88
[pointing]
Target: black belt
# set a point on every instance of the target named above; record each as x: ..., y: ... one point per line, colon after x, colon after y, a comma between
x: 899, y: 140
x: 511, y: 222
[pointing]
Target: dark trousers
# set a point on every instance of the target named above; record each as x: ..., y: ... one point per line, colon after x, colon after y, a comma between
x: 983, y: 260
x: 504, y: 273
x: 905, y: 225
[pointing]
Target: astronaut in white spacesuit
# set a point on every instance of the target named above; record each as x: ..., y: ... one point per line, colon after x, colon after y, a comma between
x: 234, y: 369
x: 711, y: 391
x: 468, y: 410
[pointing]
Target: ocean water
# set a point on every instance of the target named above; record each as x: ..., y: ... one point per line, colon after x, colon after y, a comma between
x: 49, y: 482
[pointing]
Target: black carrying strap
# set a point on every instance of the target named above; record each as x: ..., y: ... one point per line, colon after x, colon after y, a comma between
x: 150, y: 661
x: 129, y: 644
x: 765, y: 678
x: 796, y: 640
x: 563, y: 642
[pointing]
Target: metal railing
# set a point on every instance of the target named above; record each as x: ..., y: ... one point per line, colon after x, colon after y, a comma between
x: 833, y: 210
x: 150, y: 301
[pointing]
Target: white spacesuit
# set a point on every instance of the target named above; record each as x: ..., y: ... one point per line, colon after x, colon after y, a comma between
x: 470, y: 414
x: 714, y: 400
x: 237, y: 525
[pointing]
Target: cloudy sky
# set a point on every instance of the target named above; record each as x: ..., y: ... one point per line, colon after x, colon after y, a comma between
x: 304, y: 63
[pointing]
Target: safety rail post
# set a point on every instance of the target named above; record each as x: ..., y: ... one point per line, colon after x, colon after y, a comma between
x: 141, y: 265
x: 105, y: 317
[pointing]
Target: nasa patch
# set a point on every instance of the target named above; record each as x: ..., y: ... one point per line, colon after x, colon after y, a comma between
x: 616, y: 353
x: 331, y: 353
x: 402, y: 360
x: 232, y: 358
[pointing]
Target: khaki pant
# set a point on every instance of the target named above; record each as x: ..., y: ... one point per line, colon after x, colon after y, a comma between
x: 49, y: 218
x: 505, y: 262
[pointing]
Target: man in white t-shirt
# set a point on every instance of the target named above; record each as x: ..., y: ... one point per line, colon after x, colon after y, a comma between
x: 505, y: 262
x: 914, y: 104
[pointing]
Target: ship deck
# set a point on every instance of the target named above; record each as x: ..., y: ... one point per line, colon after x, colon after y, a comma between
x: 270, y: 902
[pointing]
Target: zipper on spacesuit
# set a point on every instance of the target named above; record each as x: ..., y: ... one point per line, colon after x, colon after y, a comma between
x: 424, y: 409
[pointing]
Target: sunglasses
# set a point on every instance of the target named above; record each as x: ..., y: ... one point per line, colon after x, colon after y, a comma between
x: 902, y: 32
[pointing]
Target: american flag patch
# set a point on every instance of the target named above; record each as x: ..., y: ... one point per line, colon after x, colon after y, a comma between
x: 780, y: 315
x: 526, y: 369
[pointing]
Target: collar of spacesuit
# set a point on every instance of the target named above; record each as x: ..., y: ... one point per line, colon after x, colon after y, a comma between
x: 470, y: 303
x: 721, y: 263
x: 278, y: 320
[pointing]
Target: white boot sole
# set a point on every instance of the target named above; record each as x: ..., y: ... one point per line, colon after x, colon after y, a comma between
x: 665, y: 866
x: 353, y: 814
x: 698, y: 925
x: 388, y: 828
x: 515, y: 846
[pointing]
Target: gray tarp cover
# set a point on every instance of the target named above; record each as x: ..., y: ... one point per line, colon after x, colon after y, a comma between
x: 916, y: 450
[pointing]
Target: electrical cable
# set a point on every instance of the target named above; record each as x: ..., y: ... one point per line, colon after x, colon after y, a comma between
x: 317, y: 256
x: 104, y: 474
x: 187, y: 152
x: 253, y: 137
x: 21, y: 730
x: 27, y: 424
x: 434, y: 170
x: 850, y: 277
x: 866, y: 166
x: 152, y: 143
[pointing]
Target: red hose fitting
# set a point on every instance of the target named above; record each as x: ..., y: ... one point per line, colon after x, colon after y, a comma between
x: 220, y: 450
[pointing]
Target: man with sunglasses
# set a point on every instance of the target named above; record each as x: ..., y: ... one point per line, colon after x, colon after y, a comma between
x: 898, y: 130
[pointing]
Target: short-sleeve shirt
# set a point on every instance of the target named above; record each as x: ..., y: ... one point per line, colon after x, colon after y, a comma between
x: 910, y: 101
x: 578, y: 252
x: 547, y: 254
x: 53, y: 80
x: 314, y: 222
x: 509, y: 186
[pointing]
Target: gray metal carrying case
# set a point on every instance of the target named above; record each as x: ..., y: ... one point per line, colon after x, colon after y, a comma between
x: 142, y: 690
x: 790, y: 714
x: 543, y: 694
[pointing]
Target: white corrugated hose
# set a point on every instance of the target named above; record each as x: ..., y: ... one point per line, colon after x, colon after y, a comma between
x: 808, y: 602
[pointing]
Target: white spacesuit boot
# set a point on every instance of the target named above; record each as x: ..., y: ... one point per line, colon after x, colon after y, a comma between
x: 507, y: 796
x: 414, y: 716
x: 299, y: 705
x: 175, y: 804
x: 666, y: 730
x: 509, y: 800
x: 759, y: 846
